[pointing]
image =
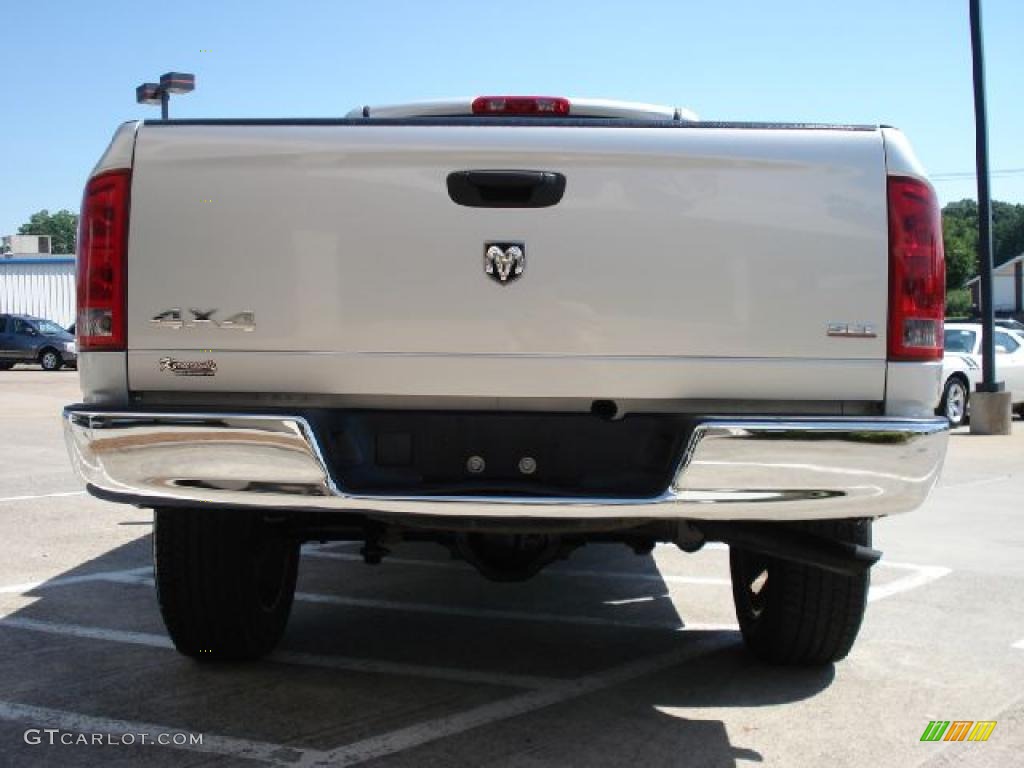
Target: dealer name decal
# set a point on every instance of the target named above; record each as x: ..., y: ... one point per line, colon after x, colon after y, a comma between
x: 188, y: 367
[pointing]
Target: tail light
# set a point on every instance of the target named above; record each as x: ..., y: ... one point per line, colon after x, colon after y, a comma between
x: 102, y: 243
x: 917, y: 271
x: 521, y: 105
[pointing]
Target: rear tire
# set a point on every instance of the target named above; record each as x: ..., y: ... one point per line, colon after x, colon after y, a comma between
x: 50, y: 360
x: 225, y: 581
x: 796, y: 614
x: 953, y: 405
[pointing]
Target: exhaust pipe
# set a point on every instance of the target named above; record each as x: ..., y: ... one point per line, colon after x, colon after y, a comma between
x: 795, y: 545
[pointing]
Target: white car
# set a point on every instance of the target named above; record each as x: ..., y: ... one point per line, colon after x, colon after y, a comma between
x: 1009, y: 324
x: 962, y: 367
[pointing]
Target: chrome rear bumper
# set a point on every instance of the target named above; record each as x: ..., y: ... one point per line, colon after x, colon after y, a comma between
x: 732, y: 469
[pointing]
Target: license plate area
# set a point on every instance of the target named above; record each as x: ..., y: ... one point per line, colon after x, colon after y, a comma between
x: 507, y: 454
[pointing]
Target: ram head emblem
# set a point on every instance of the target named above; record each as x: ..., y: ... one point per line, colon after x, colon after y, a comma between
x: 504, y: 262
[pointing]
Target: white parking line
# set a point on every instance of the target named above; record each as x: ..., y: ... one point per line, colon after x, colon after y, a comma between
x: 552, y: 572
x: 288, y: 657
x: 533, y: 682
x: 43, y: 496
x: 919, y: 576
x: 60, y: 581
x: 922, y: 574
x: 635, y: 600
x: 445, y: 610
x: 91, y: 633
x: 376, y: 746
x: 443, y: 727
x: 483, y: 613
x: 543, y: 692
x: 276, y: 754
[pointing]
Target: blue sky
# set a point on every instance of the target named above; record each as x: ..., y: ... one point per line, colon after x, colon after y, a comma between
x: 69, y: 69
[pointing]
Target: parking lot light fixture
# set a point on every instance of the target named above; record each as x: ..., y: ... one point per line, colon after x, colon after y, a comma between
x: 178, y: 82
x: 148, y: 93
x: 160, y: 93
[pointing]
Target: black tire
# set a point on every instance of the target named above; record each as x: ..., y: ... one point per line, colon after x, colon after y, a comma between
x: 5, y: 366
x: 225, y: 581
x: 50, y: 359
x: 796, y: 614
x: 955, y: 396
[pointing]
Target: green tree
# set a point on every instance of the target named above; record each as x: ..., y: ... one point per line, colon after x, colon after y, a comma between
x: 960, y: 237
x: 1007, y: 231
x: 62, y: 227
x: 958, y: 302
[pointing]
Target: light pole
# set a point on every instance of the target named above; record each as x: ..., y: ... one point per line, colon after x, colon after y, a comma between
x: 991, y: 412
x: 160, y: 93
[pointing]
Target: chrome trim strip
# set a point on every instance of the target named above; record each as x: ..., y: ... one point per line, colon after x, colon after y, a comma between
x: 733, y: 468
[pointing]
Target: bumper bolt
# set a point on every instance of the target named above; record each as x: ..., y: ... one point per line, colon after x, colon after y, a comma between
x: 527, y: 465
x: 476, y: 464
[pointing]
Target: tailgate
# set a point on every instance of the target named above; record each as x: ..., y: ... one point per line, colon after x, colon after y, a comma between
x: 699, y: 254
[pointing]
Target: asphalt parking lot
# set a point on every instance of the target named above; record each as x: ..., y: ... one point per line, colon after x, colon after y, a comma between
x: 606, y: 659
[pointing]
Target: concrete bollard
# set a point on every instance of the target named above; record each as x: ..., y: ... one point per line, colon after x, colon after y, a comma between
x: 991, y: 413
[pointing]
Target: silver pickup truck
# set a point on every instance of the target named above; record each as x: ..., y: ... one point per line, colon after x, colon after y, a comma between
x: 512, y: 326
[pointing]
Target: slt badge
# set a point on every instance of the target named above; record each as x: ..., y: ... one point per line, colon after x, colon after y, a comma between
x: 504, y: 262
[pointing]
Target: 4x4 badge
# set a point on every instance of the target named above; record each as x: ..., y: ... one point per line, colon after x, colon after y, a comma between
x: 504, y: 262
x: 203, y: 318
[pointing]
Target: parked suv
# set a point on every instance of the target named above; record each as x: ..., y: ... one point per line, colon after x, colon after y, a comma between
x: 27, y: 339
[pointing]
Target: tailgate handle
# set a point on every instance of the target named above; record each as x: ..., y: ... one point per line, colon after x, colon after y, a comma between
x: 506, y: 189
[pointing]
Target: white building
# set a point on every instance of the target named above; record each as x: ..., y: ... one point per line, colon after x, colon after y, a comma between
x: 1007, y: 286
x: 18, y: 245
x: 34, y: 281
x: 40, y: 286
